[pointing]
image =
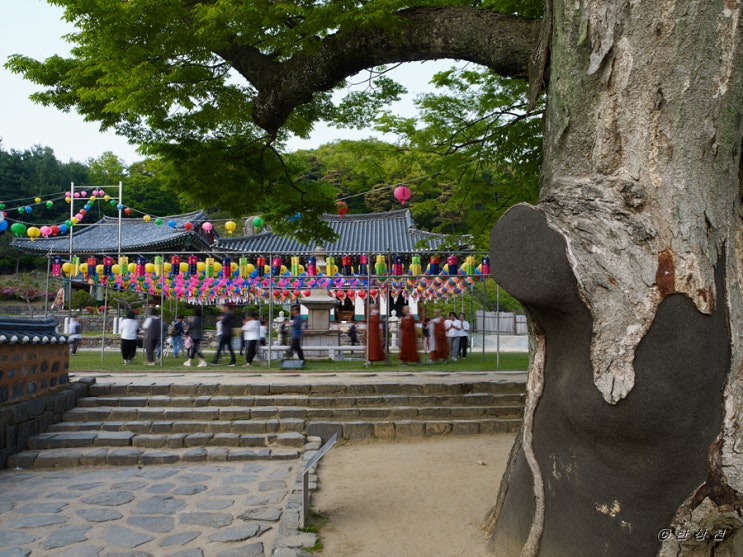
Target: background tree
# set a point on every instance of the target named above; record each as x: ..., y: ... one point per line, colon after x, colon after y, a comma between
x: 629, y: 265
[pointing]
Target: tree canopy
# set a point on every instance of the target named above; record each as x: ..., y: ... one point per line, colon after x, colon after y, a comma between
x: 216, y: 88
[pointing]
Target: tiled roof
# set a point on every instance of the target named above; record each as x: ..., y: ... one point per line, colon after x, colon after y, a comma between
x: 18, y: 330
x: 367, y: 233
x: 137, y: 236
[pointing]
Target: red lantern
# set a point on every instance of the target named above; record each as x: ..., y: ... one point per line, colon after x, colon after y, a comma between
x: 402, y: 194
x: 127, y: 211
x: 55, y: 230
x: 307, y: 293
x: 342, y: 208
x: 351, y: 294
x: 361, y: 294
x: 188, y: 226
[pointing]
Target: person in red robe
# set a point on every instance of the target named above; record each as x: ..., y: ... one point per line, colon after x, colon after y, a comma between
x: 408, y: 345
x: 374, y: 350
x: 438, y: 340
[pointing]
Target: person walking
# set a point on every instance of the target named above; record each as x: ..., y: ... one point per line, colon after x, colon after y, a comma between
x: 453, y: 328
x: 426, y: 335
x: 128, y: 330
x: 251, y: 332
x: 195, y: 332
x: 353, y: 335
x: 225, y: 340
x: 374, y: 349
x: 464, y: 339
x: 177, y: 332
x: 153, y: 330
x: 408, y: 345
x: 296, y: 345
x: 439, y: 344
x: 76, y: 335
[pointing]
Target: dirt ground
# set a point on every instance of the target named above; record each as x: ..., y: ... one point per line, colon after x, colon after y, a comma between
x: 410, y: 498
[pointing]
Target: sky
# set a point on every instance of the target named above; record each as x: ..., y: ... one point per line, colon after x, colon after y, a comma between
x: 35, y: 28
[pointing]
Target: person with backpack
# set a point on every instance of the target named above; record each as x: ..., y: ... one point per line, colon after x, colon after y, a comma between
x: 177, y: 331
x: 195, y: 333
x: 152, y: 335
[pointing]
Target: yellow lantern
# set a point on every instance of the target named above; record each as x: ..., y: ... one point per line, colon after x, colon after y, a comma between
x: 201, y: 266
x: 74, y: 220
x: 33, y: 232
x: 83, y: 268
x: 230, y: 226
x: 37, y: 200
x: 217, y: 267
x: 149, y: 268
x: 168, y: 266
x: 107, y: 198
x: 132, y: 267
x: 234, y: 266
x: 183, y: 267
x: 99, y: 269
x: 116, y: 269
x: 147, y: 218
x: 67, y: 268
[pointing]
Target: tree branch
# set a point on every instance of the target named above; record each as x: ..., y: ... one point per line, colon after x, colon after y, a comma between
x: 503, y: 43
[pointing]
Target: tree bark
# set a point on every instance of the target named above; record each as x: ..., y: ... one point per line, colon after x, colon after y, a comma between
x: 501, y: 42
x: 634, y: 261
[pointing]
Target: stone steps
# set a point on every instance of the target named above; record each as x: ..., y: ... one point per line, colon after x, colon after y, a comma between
x: 150, y: 422
x: 334, y: 389
x: 230, y: 418
x: 137, y: 456
x: 472, y: 399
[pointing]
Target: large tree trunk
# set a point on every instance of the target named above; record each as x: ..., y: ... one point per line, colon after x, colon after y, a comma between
x: 630, y: 268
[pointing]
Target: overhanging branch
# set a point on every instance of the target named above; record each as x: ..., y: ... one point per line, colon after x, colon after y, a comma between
x: 503, y: 43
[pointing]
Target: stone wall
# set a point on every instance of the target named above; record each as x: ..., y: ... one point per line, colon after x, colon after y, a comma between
x: 28, y: 370
x: 21, y: 420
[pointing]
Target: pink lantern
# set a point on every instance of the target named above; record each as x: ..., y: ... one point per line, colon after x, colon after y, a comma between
x: 45, y: 231
x: 402, y: 194
x: 207, y: 226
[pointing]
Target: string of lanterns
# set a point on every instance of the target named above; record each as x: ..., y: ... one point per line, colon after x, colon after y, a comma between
x: 211, y: 281
x: 19, y: 229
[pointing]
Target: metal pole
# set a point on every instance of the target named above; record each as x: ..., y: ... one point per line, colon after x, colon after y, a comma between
x: 270, y: 301
x: 162, y: 308
x: 483, y: 318
x: 119, y: 206
x: 497, y: 325
x: 48, y: 272
x: 105, y: 313
x: 69, y: 283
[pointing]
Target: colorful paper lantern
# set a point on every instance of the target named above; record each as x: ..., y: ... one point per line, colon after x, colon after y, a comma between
x: 402, y: 194
x: 206, y: 227
x: 342, y: 208
x: 33, y: 233
x: 18, y: 229
x: 230, y: 226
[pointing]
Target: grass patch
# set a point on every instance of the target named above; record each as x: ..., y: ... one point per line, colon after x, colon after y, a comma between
x: 316, y: 521
x: 111, y: 361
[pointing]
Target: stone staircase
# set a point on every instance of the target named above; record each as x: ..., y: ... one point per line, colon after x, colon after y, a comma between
x: 134, y: 423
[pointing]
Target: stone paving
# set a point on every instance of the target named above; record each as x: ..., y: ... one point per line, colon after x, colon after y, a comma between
x: 201, y: 509
x: 230, y: 509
